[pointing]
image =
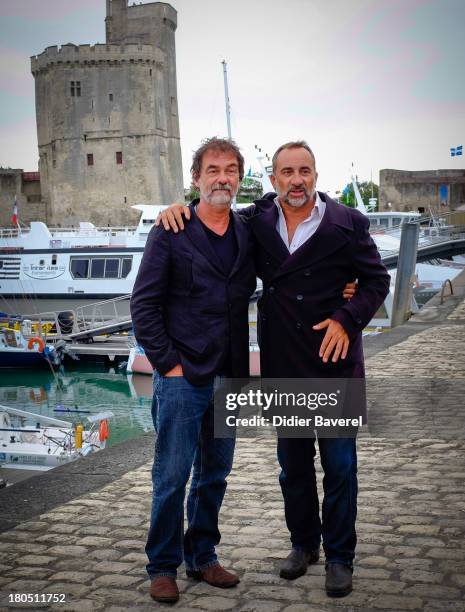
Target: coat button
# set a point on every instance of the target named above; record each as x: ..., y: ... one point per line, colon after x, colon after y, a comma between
x: 263, y: 317
x: 307, y: 273
x: 300, y: 297
x: 267, y: 263
x: 298, y: 325
x: 271, y: 289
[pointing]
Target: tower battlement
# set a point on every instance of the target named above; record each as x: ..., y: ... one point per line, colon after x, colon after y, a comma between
x: 107, y: 118
x: 91, y: 54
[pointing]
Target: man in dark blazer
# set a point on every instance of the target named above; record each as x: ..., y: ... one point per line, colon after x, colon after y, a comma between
x: 190, y: 314
x: 307, y: 248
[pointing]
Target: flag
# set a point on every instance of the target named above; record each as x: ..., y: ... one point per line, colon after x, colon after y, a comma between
x: 249, y: 173
x: 14, y: 216
x: 456, y: 151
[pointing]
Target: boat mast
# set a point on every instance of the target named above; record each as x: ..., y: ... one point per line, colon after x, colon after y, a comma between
x: 228, y: 112
x: 226, y: 98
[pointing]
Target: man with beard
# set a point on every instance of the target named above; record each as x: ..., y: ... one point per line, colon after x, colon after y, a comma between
x: 307, y: 248
x: 190, y: 314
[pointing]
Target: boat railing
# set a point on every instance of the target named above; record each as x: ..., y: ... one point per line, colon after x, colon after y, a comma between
x: 44, y: 325
x: 433, y: 230
x: 12, y: 232
x: 92, y: 231
x: 100, y: 314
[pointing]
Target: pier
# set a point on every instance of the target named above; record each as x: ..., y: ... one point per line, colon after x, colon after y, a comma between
x: 80, y: 530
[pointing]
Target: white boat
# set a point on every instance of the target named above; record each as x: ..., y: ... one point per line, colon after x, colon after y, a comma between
x: 35, y: 442
x: 66, y: 267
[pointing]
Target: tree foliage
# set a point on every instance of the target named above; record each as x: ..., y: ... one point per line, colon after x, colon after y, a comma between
x: 347, y: 195
x: 250, y: 190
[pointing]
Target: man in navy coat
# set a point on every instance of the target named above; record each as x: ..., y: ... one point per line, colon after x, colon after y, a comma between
x: 307, y: 248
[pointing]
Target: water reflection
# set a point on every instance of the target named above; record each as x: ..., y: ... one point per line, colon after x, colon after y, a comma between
x: 74, y: 394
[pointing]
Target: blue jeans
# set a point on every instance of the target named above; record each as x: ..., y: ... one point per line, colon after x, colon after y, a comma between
x: 339, y: 509
x: 183, y: 419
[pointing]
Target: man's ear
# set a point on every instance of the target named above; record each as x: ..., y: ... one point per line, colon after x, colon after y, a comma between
x: 195, y: 180
x: 273, y: 181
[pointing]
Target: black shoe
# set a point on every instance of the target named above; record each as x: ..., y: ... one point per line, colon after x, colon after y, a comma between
x: 296, y: 563
x: 338, y: 580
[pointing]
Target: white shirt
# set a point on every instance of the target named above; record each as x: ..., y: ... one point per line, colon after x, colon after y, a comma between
x: 305, y: 229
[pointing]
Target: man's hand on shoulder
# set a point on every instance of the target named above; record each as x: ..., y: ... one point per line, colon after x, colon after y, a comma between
x: 335, y: 341
x: 176, y: 371
x: 171, y: 217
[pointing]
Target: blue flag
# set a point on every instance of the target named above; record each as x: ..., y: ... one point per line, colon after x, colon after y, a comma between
x: 455, y: 151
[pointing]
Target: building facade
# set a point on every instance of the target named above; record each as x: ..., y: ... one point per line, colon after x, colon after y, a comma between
x: 25, y: 186
x: 423, y: 190
x: 107, y: 119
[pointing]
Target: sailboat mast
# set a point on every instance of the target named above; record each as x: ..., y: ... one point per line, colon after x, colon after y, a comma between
x: 226, y: 98
x: 228, y: 112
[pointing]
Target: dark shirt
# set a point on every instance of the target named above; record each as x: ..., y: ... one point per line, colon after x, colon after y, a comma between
x: 226, y: 249
x: 225, y: 246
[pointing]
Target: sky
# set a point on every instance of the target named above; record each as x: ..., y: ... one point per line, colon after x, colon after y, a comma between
x: 373, y: 83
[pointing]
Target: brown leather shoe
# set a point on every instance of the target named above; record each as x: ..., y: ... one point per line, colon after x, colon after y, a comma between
x: 164, y: 588
x: 215, y: 575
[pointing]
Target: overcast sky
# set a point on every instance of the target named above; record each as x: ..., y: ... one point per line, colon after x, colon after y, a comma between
x: 380, y: 83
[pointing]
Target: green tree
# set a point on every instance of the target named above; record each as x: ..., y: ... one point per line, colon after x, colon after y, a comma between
x: 250, y: 190
x: 347, y: 195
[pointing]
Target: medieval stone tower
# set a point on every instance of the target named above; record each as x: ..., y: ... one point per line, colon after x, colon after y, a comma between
x: 107, y: 119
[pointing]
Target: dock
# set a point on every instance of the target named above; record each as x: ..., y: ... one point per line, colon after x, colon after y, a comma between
x: 411, y: 528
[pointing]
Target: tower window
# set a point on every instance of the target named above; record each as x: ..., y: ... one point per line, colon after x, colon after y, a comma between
x: 75, y: 88
x: 119, y: 157
x: 90, y: 159
x: 110, y: 97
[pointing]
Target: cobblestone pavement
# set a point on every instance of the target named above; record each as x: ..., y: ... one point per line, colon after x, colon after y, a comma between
x: 411, y: 519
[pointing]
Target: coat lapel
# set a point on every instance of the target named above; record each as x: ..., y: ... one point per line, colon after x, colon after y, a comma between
x: 263, y: 225
x: 242, y: 236
x: 330, y: 236
x: 200, y: 240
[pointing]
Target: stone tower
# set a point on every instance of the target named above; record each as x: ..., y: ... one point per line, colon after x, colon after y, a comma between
x: 107, y: 119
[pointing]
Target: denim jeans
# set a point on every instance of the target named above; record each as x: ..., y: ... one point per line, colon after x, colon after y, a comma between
x: 183, y: 419
x: 339, y: 510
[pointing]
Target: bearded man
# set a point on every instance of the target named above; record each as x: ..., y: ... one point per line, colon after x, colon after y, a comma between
x: 190, y: 314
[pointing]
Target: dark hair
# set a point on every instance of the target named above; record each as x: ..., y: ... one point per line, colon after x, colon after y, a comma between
x: 297, y: 144
x: 216, y: 144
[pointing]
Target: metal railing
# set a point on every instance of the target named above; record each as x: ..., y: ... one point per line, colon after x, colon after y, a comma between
x: 100, y: 314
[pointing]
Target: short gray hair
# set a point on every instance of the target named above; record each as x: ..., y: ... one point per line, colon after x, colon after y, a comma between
x: 296, y: 144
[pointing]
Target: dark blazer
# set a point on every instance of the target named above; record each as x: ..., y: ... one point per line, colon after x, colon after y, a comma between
x: 304, y: 288
x: 184, y: 306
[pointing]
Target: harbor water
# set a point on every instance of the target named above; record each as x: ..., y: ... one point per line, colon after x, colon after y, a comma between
x: 80, y: 391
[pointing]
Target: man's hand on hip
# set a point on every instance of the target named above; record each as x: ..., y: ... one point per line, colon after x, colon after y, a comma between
x: 171, y: 217
x: 336, y: 339
x: 176, y: 371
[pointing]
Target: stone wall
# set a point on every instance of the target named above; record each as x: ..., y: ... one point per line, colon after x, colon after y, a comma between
x: 28, y: 198
x: 438, y: 190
